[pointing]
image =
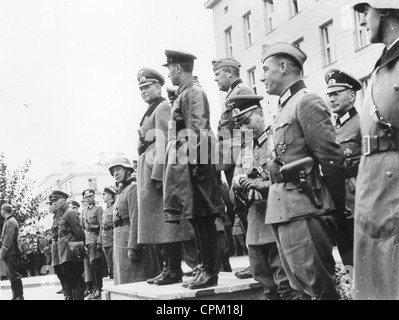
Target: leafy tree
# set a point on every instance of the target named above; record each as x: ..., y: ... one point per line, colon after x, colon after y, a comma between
x: 17, y: 190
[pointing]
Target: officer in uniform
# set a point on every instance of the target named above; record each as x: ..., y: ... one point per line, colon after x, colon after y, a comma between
x: 151, y: 148
x: 55, y: 260
x: 376, y: 262
x: 92, y: 219
x: 191, y: 188
x: 250, y: 183
x: 133, y: 262
x: 10, y: 252
x: 106, y: 237
x: 341, y: 93
x: 303, y: 206
x: 227, y: 76
x: 69, y: 230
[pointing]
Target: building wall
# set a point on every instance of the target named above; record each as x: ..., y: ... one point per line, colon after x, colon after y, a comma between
x: 305, y: 24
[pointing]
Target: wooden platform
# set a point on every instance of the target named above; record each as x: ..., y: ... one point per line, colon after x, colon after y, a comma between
x: 229, y: 288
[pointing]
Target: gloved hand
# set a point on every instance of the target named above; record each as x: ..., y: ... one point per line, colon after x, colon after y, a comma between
x: 255, y: 184
x: 236, y: 182
x: 134, y: 255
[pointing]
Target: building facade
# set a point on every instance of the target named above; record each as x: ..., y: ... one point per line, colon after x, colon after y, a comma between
x: 327, y: 31
x: 74, y: 180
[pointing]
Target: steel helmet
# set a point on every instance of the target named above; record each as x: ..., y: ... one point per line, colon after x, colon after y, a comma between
x: 123, y: 162
x: 377, y: 4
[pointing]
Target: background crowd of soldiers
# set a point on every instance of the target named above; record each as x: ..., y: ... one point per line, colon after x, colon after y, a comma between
x: 293, y: 182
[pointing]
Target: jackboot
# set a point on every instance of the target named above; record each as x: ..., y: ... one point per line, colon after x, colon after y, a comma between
x: 207, y: 239
x: 161, y: 275
x: 18, y: 291
x: 77, y: 294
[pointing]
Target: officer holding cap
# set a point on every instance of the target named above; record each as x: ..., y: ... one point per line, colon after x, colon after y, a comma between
x: 303, y: 130
x: 376, y: 264
x: 69, y: 230
x: 191, y: 188
x: 341, y: 94
x: 133, y: 261
x: 249, y: 185
x: 152, y: 228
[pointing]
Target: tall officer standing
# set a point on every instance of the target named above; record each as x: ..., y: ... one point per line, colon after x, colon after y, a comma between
x: 376, y: 257
x: 303, y: 205
x: 255, y: 152
x: 133, y: 262
x: 69, y: 230
x: 151, y: 148
x: 9, y: 251
x: 227, y: 76
x: 191, y: 189
x: 341, y: 93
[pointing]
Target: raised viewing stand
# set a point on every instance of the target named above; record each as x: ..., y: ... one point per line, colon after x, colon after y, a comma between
x: 229, y: 288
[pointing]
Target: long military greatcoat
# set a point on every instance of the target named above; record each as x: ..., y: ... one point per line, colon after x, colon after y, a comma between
x: 190, y: 183
x: 376, y: 269
x: 152, y: 227
x: 125, y: 238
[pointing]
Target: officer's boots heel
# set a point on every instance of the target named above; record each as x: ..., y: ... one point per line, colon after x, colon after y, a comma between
x: 161, y: 275
x: 205, y: 280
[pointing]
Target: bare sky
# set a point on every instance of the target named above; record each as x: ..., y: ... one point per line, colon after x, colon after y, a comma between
x: 68, y: 86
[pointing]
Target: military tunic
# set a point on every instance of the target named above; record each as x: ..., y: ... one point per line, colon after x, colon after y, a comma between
x: 191, y: 189
x: 125, y: 238
x: 69, y: 230
x: 106, y: 237
x: 348, y: 135
x: 92, y: 220
x: 376, y: 264
x: 151, y: 222
x: 303, y: 128
x: 229, y: 134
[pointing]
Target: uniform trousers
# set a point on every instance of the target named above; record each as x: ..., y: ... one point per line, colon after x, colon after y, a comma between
x: 108, y: 253
x: 75, y: 284
x: 12, y: 267
x: 305, y: 248
x: 267, y: 269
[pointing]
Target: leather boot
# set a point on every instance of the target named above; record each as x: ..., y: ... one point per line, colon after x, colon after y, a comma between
x: 170, y: 277
x: 77, y: 294
x: 207, y: 234
x: 192, y: 279
x: 161, y: 275
x: 18, y: 292
x: 13, y: 290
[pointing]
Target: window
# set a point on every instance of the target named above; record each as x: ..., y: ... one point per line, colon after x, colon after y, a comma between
x: 268, y: 9
x: 247, y: 29
x: 361, y: 37
x: 294, y: 8
x: 252, y: 79
x: 93, y: 184
x: 327, y: 43
x: 229, y: 43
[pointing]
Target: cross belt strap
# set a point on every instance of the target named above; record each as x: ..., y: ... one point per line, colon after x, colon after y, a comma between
x: 273, y: 177
x: 376, y: 144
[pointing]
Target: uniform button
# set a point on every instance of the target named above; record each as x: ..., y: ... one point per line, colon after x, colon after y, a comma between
x: 389, y: 174
x: 268, y: 159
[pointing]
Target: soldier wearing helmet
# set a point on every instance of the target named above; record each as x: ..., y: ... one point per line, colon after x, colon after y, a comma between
x: 132, y: 260
x: 377, y: 199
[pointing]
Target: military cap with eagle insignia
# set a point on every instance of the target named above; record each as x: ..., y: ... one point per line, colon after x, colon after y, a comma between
x: 147, y: 76
x: 337, y: 80
x: 177, y: 57
x: 243, y: 106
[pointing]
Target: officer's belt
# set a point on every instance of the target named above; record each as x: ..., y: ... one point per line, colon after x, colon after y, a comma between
x: 122, y: 222
x: 351, y: 172
x: 107, y: 228
x: 376, y: 144
x: 143, y: 148
x: 272, y: 176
